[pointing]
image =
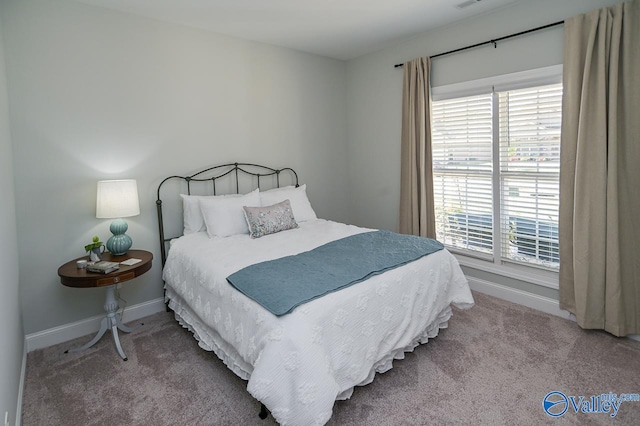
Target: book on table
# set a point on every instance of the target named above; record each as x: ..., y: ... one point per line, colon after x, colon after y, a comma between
x: 103, y: 267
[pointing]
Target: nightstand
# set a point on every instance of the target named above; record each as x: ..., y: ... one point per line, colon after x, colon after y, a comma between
x: 72, y: 276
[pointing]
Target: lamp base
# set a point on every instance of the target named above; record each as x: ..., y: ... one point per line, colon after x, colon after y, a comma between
x: 120, y: 242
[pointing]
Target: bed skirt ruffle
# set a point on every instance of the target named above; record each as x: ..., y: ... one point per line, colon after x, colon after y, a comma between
x: 209, y: 340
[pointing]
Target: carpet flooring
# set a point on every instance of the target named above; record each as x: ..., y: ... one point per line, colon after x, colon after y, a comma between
x: 493, y: 365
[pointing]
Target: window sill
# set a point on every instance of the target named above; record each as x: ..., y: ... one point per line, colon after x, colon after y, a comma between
x: 538, y: 276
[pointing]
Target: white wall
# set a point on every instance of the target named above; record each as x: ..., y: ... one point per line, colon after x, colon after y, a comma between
x: 374, y: 101
x: 99, y: 94
x: 11, y: 335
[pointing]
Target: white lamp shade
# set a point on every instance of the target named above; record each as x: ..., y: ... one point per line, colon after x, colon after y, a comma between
x: 117, y: 198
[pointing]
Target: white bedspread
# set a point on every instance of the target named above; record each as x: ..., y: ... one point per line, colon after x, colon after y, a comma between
x: 300, y: 363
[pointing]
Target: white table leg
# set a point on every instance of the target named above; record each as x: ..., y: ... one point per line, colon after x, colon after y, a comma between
x: 110, y: 321
x: 103, y: 329
x: 123, y: 327
x: 116, y: 340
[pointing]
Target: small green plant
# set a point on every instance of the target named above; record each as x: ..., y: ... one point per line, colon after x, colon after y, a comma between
x: 95, y: 244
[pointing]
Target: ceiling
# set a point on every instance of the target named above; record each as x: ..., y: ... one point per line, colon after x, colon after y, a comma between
x: 341, y: 29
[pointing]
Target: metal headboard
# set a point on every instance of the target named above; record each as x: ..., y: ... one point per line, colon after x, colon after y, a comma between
x: 212, y: 175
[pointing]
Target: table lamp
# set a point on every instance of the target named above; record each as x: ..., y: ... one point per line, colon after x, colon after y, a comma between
x: 117, y: 199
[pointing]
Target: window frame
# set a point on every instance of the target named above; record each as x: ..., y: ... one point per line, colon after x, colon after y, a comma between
x: 496, y: 264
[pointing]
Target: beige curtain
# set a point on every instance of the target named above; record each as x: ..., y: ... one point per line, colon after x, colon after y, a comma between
x: 600, y: 170
x: 416, y: 185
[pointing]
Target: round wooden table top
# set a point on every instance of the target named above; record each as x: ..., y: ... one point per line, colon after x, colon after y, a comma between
x: 72, y: 276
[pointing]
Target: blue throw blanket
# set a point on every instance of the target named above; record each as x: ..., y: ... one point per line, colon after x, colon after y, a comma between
x: 282, y: 284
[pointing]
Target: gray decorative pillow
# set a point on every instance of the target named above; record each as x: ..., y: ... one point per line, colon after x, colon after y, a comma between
x: 269, y: 219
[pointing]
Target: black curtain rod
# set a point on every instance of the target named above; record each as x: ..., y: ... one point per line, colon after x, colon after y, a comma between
x: 494, y: 41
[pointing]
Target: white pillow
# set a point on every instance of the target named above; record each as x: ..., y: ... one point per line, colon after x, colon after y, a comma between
x: 193, y: 220
x: 224, y: 216
x: 302, y: 210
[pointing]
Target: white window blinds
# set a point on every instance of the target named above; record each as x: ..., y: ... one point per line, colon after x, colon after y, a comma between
x: 462, y: 169
x: 520, y: 192
x: 530, y: 122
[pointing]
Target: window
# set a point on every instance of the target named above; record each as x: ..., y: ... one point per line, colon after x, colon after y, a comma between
x: 462, y: 172
x: 496, y: 160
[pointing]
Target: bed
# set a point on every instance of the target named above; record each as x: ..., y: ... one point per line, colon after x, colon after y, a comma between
x: 299, y: 363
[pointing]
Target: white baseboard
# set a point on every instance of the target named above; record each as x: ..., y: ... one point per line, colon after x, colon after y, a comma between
x: 23, y: 374
x: 540, y: 303
x: 64, y: 333
x: 530, y: 300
